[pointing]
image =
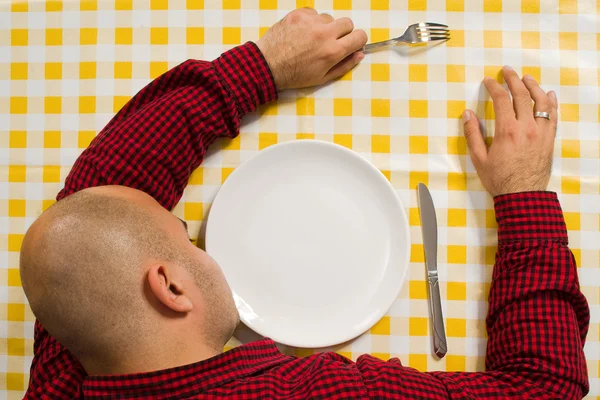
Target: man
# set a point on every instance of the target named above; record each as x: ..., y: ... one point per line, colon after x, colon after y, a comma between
x: 118, y: 289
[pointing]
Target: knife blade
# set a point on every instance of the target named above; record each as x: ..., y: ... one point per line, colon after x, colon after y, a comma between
x: 430, y: 239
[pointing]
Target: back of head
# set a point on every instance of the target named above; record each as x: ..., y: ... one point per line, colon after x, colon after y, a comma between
x: 81, y: 267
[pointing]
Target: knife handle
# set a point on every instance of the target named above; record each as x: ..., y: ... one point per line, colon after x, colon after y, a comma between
x: 440, y: 346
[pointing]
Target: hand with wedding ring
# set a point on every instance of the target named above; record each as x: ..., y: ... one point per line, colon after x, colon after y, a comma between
x: 520, y: 157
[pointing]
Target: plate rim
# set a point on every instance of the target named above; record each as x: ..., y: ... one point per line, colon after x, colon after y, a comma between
x: 368, y: 164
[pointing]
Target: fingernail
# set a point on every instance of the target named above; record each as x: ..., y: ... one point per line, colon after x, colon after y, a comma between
x: 508, y: 68
x: 527, y: 76
x: 466, y: 116
x: 361, y: 56
x: 552, y: 95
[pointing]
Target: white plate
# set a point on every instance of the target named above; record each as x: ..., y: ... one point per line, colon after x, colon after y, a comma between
x: 313, y: 241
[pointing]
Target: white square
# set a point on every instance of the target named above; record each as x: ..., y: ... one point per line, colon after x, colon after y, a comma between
x: 361, y: 125
x: 213, y: 18
x: 105, y: 19
x: 249, y: 18
x: 70, y: 19
x: 474, y: 56
x: 37, y: 54
x: 140, y: 19
x: 324, y: 125
x: 473, y: 21
x: 68, y: 156
x: 34, y: 190
x: 177, y: 18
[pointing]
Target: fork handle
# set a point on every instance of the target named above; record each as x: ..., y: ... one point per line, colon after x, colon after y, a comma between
x: 372, y: 46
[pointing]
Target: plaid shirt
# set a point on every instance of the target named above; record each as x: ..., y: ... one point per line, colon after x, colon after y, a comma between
x: 537, y: 318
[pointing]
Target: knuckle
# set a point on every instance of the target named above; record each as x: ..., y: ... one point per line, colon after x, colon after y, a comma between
x: 347, y: 22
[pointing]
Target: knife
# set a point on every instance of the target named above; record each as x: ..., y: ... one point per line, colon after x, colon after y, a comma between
x: 430, y: 238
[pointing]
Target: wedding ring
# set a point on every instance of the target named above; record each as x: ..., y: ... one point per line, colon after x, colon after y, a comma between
x: 542, y: 114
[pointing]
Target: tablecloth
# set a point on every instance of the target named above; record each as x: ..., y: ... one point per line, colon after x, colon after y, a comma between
x: 67, y: 67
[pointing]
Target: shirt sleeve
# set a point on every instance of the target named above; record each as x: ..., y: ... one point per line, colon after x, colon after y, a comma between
x: 536, y: 323
x: 153, y: 144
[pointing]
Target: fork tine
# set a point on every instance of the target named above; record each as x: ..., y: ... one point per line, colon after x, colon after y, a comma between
x: 433, y: 34
x: 432, y: 24
x: 433, y: 39
x: 433, y: 30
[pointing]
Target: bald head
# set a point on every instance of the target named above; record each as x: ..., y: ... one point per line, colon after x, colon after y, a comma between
x: 84, y: 264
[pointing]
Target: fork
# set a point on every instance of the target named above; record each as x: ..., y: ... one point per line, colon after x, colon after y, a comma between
x: 416, y: 33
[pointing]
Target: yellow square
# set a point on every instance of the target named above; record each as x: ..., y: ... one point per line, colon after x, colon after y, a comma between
x: 457, y: 39
x: 492, y: 5
x: 84, y: 138
x: 16, y: 208
x: 17, y: 173
x: 457, y: 217
x: 418, y: 144
x: 20, y: 6
x: 198, y: 4
x: 88, y: 5
x: 455, y: 5
x: 194, y: 35
x: 417, y: 289
x: 380, y: 108
x: 123, y: 70
x: 456, y: 363
x: 267, y: 4
x: 455, y: 73
x: 573, y: 221
x: 119, y: 102
x: 457, y: 181
x: 530, y: 6
x: 225, y: 172
x: 305, y: 106
x: 123, y: 35
x: 380, y: 72
x: 417, y: 253
x: 159, y: 35
x: 231, y: 4
x: 569, y: 76
x: 53, y: 37
x: 456, y: 290
x: 418, y: 108
x: 492, y: 39
x: 87, y: 70
x: 18, y: 105
x: 53, y: 70
x: 157, y: 68
x: 416, y: 177
x: 456, y: 327
x: 88, y: 36
x: 380, y: 143
x: 15, y: 240
x: 15, y: 381
x: 417, y: 73
x: 18, y: 71
x: 16, y: 312
x: 342, y: 4
x: 346, y: 77
x: 418, y: 362
x: 268, y: 109
x: 379, y: 34
x: 577, y: 255
x: 488, y: 112
x: 490, y: 219
x: 17, y: 139
x: 567, y: 6
x: 343, y: 139
x: 490, y: 255
x: 193, y: 211
x: 381, y: 356
x: 87, y: 104
x: 266, y: 140
x: 569, y: 112
x: 51, y: 173
x: 232, y: 35
x: 47, y: 203
x: 570, y: 185
x: 417, y: 326
x: 530, y: 40
x: 159, y: 4
x: 567, y: 40
x: 382, y: 327
x: 52, y: 139
x: 197, y: 177
x: 570, y: 148
x: 305, y: 136
x: 52, y: 105
x: 416, y: 5
x: 455, y: 108
x: 342, y: 107
x: 16, y: 346
x: 19, y: 37
x: 387, y: 174
x: 457, y: 254
x: 535, y: 72
x: 493, y: 71
x: 123, y: 5
x: 414, y: 218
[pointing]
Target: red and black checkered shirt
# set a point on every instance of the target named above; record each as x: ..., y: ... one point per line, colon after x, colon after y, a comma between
x: 537, y: 318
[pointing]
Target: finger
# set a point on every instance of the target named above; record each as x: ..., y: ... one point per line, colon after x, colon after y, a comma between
x: 541, y: 99
x: 344, y: 66
x: 343, y: 26
x: 500, y: 99
x: 520, y: 94
x: 475, y: 142
x: 352, y: 42
x: 326, y: 18
x: 309, y: 10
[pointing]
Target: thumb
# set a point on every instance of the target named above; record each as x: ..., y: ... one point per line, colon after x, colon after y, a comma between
x: 477, y: 146
x: 343, y: 66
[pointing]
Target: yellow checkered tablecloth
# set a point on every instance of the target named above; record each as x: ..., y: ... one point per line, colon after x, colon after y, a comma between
x: 67, y: 67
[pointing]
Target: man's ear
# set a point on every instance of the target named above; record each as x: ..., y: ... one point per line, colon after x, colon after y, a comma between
x: 168, y: 288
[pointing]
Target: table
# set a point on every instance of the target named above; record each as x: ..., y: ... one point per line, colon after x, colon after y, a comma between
x: 67, y: 67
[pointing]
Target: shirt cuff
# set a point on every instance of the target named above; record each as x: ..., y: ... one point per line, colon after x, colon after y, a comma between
x: 530, y: 215
x: 246, y: 77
